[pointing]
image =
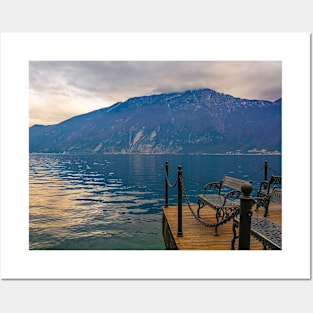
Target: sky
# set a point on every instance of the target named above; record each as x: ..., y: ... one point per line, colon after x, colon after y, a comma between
x: 59, y: 90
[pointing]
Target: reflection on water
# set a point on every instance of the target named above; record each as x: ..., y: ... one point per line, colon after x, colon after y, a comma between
x: 111, y: 202
x: 81, y: 201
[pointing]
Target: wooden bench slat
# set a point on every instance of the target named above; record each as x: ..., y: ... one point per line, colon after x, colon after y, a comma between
x: 233, y: 183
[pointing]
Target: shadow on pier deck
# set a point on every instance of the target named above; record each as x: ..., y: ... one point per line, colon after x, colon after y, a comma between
x: 198, y: 237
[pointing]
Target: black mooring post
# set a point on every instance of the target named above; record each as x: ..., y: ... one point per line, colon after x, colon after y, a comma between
x: 245, y: 216
x: 265, y: 170
x: 179, y: 201
x: 166, y: 184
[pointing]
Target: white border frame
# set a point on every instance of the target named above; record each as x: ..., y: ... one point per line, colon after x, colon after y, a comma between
x: 293, y: 262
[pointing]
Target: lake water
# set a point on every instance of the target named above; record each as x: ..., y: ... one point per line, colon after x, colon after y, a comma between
x: 114, y: 202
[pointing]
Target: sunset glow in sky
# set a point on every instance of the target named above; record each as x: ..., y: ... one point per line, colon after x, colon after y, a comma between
x: 59, y: 90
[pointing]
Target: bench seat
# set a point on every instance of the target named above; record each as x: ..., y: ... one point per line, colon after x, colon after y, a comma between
x: 217, y: 201
x: 262, y: 229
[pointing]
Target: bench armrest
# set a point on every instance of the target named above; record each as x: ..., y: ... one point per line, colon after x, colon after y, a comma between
x: 212, y: 185
x: 263, y: 189
x: 266, y: 196
x: 232, y: 196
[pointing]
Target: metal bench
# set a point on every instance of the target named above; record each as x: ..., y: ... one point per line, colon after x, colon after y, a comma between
x: 225, y: 203
x: 264, y: 230
x: 269, y: 191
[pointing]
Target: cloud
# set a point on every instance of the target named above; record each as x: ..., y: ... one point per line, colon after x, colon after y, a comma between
x: 59, y: 90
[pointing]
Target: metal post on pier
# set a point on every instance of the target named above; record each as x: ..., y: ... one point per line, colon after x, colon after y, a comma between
x: 246, y: 203
x: 166, y: 185
x: 265, y: 170
x: 179, y: 201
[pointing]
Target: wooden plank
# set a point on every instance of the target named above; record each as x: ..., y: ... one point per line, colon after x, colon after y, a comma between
x: 198, y: 237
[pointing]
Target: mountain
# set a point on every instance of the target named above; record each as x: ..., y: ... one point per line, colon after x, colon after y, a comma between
x: 194, y: 121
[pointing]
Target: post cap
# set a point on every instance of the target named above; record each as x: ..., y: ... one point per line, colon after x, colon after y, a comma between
x: 246, y: 189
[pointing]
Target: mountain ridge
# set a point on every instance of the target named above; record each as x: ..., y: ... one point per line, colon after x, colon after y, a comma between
x: 193, y: 121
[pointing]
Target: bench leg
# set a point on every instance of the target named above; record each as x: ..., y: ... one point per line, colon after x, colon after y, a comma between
x: 235, y: 226
x: 257, y: 206
x: 266, y: 204
x: 200, y: 206
x: 216, y: 231
x: 217, y: 215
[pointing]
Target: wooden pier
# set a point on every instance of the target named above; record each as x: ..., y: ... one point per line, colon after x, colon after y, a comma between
x: 198, y: 237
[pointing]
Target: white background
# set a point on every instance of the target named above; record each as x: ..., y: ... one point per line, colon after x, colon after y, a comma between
x: 291, y: 263
x: 18, y: 49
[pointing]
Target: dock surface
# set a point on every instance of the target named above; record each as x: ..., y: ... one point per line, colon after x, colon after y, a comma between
x: 198, y: 237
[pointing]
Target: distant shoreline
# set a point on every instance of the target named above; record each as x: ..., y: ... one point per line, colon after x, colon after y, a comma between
x: 138, y: 153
